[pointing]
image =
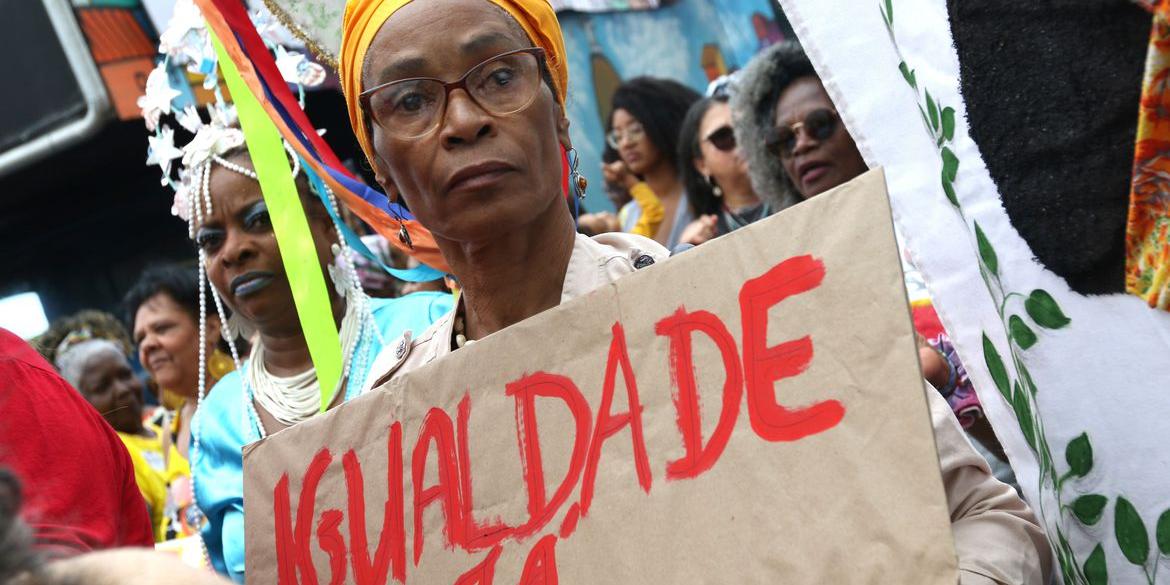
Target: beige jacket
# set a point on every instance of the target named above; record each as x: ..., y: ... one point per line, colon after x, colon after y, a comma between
x: 594, y: 262
x: 997, y: 539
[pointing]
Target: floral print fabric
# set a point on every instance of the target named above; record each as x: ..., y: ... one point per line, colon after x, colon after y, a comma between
x: 1147, y: 270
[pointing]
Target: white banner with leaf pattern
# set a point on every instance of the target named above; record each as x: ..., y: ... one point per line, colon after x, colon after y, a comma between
x: 1077, y: 387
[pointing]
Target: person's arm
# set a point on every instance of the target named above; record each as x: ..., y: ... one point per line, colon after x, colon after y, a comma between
x: 997, y: 538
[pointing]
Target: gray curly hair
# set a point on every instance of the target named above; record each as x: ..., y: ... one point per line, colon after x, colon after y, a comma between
x: 753, y: 105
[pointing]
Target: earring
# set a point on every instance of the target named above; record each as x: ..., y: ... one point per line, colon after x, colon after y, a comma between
x: 714, y: 186
x: 238, y: 326
x: 339, y: 272
x: 577, y: 183
x: 403, y: 235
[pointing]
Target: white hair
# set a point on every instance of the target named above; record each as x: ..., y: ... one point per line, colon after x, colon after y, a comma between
x: 71, y: 362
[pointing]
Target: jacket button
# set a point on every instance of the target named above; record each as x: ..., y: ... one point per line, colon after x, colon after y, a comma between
x: 643, y: 261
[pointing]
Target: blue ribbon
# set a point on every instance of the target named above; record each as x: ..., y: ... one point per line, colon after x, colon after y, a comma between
x: 420, y: 273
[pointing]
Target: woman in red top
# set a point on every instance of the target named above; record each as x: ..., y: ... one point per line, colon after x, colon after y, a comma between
x: 80, y: 493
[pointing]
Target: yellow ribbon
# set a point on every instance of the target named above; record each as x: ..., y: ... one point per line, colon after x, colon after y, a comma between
x: 293, y: 238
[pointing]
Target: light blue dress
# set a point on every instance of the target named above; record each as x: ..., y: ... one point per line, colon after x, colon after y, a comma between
x: 224, y: 425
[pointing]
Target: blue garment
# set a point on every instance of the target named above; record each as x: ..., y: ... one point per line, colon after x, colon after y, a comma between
x: 224, y: 425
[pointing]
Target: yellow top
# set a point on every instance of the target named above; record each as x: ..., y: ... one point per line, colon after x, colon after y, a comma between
x: 652, y: 212
x: 154, y: 472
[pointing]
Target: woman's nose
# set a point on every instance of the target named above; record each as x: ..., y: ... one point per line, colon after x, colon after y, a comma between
x: 464, y: 121
x: 804, y: 141
x: 236, y: 248
x: 129, y: 387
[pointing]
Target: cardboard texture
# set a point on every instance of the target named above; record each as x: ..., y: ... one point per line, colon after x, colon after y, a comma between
x: 780, y: 432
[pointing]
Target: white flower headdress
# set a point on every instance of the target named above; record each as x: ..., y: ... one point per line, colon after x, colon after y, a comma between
x: 187, y: 52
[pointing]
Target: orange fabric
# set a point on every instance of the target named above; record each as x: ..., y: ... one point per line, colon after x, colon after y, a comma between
x: 114, y: 34
x: 425, y: 249
x: 1147, y: 270
x: 364, y: 18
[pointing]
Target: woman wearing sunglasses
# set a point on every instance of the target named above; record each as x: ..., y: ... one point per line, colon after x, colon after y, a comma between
x: 715, y: 173
x: 797, y: 147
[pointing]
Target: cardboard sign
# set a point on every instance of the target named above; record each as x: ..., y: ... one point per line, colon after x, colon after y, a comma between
x: 750, y: 411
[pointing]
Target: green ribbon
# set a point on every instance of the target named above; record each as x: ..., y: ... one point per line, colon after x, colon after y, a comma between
x: 293, y: 238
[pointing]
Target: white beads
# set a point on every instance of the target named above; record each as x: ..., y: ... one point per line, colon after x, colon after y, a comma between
x: 231, y: 166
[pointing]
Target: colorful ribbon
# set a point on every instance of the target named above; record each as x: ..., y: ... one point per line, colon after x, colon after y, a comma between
x: 243, y: 46
x: 420, y: 273
x: 297, y: 249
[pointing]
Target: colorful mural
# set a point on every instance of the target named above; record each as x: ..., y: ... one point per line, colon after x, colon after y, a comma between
x: 693, y: 42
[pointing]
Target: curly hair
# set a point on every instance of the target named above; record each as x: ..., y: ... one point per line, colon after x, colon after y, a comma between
x: 97, y: 324
x: 181, y: 283
x: 659, y: 105
x: 753, y: 106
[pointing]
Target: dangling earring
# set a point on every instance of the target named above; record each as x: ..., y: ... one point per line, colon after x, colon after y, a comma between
x: 403, y: 235
x: 238, y: 326
x: 718, y: 192
x: 339, y: 272
x: 577, y: 183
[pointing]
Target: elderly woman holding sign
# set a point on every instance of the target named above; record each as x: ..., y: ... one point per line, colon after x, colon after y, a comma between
x: 459, y: 105
x: 471, y: 131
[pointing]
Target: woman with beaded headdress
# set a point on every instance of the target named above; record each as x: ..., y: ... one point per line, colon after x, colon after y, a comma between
x: 277, y: 386
x: 241, y: 268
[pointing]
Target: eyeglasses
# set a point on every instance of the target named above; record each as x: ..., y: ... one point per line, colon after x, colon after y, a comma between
x: 411, y: 108
x: 818, y: 124
x: 633, y: 132
x: 723, y: 139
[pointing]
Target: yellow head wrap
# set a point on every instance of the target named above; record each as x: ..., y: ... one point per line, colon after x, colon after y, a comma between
x: 364, y: 18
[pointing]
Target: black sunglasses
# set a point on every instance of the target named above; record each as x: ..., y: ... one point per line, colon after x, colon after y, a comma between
x: 818, y: 124
x: 723, y: 139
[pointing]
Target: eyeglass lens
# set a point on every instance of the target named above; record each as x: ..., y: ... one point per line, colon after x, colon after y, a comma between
x: 502, y: 85
x: 723, y: 139
x: 819, y: 124
x: 632, y: 132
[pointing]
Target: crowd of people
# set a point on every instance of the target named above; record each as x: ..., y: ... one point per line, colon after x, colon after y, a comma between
x: 479, y: 164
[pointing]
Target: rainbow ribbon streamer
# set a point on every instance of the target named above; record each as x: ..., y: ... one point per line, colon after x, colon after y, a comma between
x: 420, y: 273
x: 297, y: 249
x: 229, y: 21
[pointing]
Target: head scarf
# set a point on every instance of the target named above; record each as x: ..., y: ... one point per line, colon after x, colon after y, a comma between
x: 364, y: 18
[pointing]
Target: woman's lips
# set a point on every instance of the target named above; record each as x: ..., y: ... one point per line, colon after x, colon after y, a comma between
x: 157, y: 362
x: 478, y: 176
x: 251, y: 283
x: 813, y: 172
